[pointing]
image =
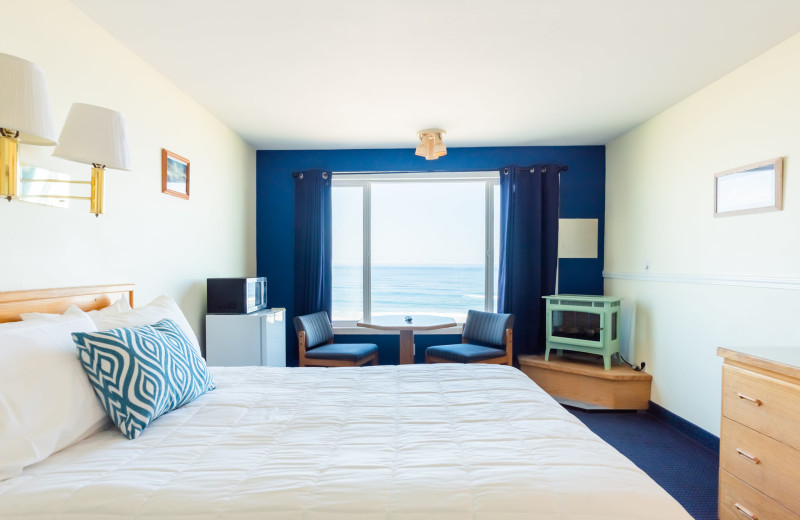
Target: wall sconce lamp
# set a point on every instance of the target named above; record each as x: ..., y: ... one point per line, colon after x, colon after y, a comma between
x: 97, y: 136
x: 25, y: 117
x: 91, y: 134
x: 431, y: 146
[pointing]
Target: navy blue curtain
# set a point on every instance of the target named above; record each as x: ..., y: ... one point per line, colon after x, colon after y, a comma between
x: 313, y: 269
x: 528, y: 249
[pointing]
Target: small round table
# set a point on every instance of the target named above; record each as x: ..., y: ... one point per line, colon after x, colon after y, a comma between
x: 398, y: 322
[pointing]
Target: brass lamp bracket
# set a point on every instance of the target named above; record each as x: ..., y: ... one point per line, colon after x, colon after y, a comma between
x: 96, y: 197
x: 55, y: 180
x: 58, y: 196
x: 9, y: 162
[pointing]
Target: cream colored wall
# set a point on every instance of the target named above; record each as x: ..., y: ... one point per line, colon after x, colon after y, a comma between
x: 659, y: 208
x: 161, y: 243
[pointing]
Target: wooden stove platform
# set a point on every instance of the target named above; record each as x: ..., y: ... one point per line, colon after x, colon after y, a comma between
x: 584, y: 383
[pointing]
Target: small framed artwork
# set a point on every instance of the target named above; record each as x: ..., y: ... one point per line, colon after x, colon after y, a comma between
x: 754, y: 188
x: 174, y: 174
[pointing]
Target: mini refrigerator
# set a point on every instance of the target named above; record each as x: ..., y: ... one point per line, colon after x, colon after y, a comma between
x: 254, y: 339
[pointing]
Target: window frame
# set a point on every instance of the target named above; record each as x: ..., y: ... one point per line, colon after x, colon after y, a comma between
x: 365, y: 180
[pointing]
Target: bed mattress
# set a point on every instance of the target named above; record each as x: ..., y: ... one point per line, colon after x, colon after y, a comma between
x: 406, y: 442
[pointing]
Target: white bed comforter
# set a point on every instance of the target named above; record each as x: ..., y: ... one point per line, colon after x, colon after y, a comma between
x: 414, y: 442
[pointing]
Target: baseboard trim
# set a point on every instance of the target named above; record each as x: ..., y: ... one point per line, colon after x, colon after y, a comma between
x: 691, y: 430
x: 762, y: 282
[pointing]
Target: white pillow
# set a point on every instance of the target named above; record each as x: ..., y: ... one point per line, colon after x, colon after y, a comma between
x: 159, y: 309
x: 46, y: 401
x: 120, y: 305
x: 71, y: 312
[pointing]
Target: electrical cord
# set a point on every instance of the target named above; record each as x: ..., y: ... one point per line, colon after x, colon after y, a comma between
x: 635, y: 367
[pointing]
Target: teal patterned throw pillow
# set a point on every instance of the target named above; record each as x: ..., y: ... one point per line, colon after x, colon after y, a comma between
x: 141, y: 373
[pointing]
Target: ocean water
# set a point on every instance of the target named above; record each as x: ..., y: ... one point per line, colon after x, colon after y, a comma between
x: 438, y: 290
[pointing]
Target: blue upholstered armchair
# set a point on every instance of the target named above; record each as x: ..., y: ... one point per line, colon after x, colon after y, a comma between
x: 315, y: 340
x: 487, y: 338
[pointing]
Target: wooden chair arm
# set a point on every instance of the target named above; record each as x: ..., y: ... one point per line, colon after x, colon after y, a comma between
x: 301, y: 343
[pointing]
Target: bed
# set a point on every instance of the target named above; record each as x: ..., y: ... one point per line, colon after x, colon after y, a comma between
x: 408, y: 442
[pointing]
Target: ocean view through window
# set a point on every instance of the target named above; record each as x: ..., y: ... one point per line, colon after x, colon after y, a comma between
x: 414, y: 244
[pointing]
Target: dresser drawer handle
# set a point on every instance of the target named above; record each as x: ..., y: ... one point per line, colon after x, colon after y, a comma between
x: 753, y: 400
x: 749, y: 457
x: 746, y: 512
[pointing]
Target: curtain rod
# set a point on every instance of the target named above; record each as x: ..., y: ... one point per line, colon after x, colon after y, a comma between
x: 299, y: 175
x: 562, y: 168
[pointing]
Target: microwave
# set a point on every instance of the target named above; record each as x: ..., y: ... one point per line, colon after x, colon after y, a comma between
x: 236, y: 295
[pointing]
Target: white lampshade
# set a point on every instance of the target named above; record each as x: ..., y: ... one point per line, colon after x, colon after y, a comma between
x: 25, y: 102
x: 94, y: 135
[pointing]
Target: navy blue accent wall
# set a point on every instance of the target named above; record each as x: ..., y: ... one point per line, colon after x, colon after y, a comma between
x: 582, y: 196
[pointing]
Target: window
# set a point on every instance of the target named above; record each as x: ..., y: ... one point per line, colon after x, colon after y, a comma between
x: 408, y: 243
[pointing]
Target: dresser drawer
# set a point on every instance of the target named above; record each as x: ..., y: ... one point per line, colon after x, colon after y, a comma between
x: 764, y: 463
x: 766, y: 404
x: 738, y: 501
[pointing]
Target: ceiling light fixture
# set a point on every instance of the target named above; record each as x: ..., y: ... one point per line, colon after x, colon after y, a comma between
x: 431, y: 146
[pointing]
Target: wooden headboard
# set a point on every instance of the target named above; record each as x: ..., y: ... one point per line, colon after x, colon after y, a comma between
x: 90, y: 298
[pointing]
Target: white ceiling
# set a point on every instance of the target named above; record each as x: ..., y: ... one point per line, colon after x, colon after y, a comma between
x: 305, y: 74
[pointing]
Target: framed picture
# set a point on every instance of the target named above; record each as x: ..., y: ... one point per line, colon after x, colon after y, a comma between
x: 174, y: 174
x: 754, y: 188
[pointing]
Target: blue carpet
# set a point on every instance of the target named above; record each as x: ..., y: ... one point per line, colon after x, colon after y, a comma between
x: 686, y: 469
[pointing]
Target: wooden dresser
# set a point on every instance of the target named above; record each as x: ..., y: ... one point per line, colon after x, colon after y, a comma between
x: 759, y: 459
